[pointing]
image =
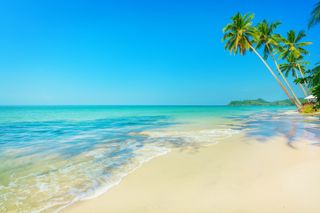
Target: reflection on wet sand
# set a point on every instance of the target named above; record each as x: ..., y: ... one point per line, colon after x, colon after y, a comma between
x: 293, y: 126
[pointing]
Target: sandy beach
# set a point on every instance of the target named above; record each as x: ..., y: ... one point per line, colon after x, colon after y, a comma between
x: 236, y: 175
x: 160, y: 106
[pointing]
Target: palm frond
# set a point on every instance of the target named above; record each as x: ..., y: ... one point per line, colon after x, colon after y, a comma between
x: 315, y: 16
x: 238, y: 33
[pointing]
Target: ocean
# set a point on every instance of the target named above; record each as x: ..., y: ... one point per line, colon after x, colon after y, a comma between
x: 54, y: 156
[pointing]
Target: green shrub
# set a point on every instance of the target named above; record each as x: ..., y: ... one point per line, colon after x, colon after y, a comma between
x: 309, y: 108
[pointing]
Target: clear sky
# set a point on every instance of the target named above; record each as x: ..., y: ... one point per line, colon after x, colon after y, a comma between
x: 135, y: 52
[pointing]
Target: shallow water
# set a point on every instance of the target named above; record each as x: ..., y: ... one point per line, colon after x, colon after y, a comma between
x: 55, y: 155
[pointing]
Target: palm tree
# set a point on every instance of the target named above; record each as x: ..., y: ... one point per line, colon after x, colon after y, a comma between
x: 313, y: 80
x: 267, y: 40
x: 315, y: 16
x: 238, y: 34
x: 293, y: 45
x: 292, y: 66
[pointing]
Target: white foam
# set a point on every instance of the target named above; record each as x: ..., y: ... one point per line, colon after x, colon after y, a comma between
x: 148, y: 153
x: 200, y: 136
x: 158, y: 146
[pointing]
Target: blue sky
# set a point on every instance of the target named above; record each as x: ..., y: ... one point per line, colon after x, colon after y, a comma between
x: 135, y: 52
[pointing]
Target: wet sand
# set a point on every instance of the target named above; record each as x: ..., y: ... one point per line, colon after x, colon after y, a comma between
x: 235, y: 175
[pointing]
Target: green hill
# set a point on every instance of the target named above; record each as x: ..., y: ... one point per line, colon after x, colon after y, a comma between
x: 261, y: 102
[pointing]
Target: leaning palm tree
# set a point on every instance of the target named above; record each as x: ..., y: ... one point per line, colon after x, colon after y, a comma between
x: 315, y: 16
x: 292, y: 45
x: 293, y: 66
x: 301, y: 63
x: 238, y: 35
x: 267, y: 40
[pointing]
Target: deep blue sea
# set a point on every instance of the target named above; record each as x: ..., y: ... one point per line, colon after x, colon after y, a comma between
x: 53, y: 156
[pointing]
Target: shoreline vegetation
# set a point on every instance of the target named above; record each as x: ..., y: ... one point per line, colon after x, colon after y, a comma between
x: 307, y: 108
x: 262, y: 102
x: 281, y: 55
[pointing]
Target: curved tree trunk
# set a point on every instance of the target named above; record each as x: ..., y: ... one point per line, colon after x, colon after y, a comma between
x: 305, y: 84
x: 277, y: 79
x: 302, y: 88
x: 284, y: 78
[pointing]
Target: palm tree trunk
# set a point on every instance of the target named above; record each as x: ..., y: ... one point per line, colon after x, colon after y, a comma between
x: 284, y: 78
x: 277, y: 79
x: 302, y: 88
x: 305, y: 84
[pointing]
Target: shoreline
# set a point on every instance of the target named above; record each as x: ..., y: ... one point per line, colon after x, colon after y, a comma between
x: 106, y: 189
x: 212, y: 178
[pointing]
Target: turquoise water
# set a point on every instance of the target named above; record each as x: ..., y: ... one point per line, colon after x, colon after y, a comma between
x: 53, y: 156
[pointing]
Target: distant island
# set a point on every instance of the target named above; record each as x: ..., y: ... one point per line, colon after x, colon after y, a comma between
x: 261, y: 102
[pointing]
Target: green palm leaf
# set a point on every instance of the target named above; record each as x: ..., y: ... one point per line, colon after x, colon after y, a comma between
x: 315, y: 16
x: 238, y: 33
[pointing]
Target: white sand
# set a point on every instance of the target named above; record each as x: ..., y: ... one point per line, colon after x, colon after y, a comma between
x: 238, y: 175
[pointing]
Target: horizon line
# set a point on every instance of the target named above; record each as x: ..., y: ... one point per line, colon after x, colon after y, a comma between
x: 2, y: 105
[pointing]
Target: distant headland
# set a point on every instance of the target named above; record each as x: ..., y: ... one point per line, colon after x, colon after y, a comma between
x: 261, y: 102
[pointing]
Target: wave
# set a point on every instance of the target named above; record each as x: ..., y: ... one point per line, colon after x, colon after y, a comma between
x: 159, y: 143
x: 162, y: 146
x: 208, y: 136
x: 47, y: 166
x: 98, y: 191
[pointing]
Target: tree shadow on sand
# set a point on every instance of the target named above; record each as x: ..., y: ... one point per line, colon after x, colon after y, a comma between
x: 293, y: 127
